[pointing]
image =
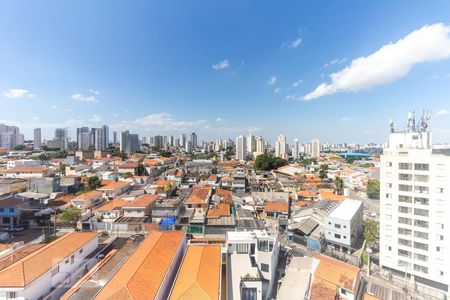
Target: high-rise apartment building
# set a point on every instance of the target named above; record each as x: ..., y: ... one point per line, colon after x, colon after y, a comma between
x: 194, y: 140
x: 115, y: 139
x: 61, y: 140
x: 10, y: 136
x: 129, y: 142
x: 37, y: 135
x: 415, y: 206
x: 280, y: 146
x: 83, y: 138
x: 183, y: 140
x: 251, y: 144
x: 241, y: 148
x: 315, y: 148
x: 260, y: 145
x: 295, y: 149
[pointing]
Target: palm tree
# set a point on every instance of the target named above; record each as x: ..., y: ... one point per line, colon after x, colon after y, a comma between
x: 339, y: 183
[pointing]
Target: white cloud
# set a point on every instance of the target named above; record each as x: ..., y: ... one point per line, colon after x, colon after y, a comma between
x: 335, y: 61
x: 390, y: 62
x: 219, y: 120
x: 296, y: 83
x: 93, y: 91
x: 84, y: 98
x: 53, y: 107
x: 443, y: 112
x: 115, y: 115
x: 165, y: 121
x: 277, y: 90
x: 221, y: 65
x: 295, y: 43
x: 272, y: 80
x: 291, y: 97
x: 346, y: 119
x: 95, y: 118
x: 17, y: 93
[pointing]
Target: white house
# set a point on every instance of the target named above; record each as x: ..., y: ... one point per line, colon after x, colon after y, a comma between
x: 50, y: 270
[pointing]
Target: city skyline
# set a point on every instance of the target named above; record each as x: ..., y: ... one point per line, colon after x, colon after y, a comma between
x: 222, y: 71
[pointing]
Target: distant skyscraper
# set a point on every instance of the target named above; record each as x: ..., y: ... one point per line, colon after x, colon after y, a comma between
x: 158, y: 141
x: 194, y: 140
x: 10, y: 136
x: 241, y: 148
x: 129, y: 143
x: 105, y: 137
x: 280, y: 147
x: 295, y: 149
x: 172, y: 142
x: 188, y: 147
x: 115, y: 140
x: 315, y: 148
x: 260, y: 147
x: 182, y: 140
x: 61, y: 139
x: 83, y: 138
x: 37, y: 139
x: 251, y: 143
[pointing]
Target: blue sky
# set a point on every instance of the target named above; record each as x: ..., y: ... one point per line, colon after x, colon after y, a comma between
x: 223, y: 68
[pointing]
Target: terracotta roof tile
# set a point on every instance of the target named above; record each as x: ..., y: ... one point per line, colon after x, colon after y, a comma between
x: 221, y: 210
x: 141, y: 276
x: 88, y: 195
x: 198, y: 196
x: 113, y: 204
x: 114, y: 185
x: 199, y: 275
x: 276, y: 206
x: 143, y: 201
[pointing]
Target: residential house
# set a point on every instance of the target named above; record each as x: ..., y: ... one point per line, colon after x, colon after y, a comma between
x: 26, y: 172
x: 45, y: 185
x: 128, y: 168
x: 111, y: 210
x: 150, y: 271
x: 87, y: 200
x: 45, y: 272
x: 200, y: 274
x: 11, y: 211
x: 13, y: 185
x: 177, y: 175
x: 114, y: 189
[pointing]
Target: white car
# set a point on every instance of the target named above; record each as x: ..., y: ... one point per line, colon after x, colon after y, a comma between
x: 14, y: 229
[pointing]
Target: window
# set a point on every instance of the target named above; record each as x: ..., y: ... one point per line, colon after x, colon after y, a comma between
x: 81, y: 251
x: 264, y: 267
x: 404, y: 209
x: 403, y: 220
x: 439, y: 249
x: 389, y: 164
x: 388, y: 196
x: 388, y: 217
x: 440, y: 237
x: 421, y: 167
x: 263, y: 245
x: 55, y: 271
x: 421, y: 246
x: 421, y: 212
x: 421, y: 235
x: 72, y: 259
x: 421, y: 189
x: 405, y: 242
x: 420, y: 223
x: 337, y: 226
x: 421, y: 201
x: 389, y: 185
x: 421, y: 178
x: 338, y: 236
x: 440, y: 178
x: 11, y: 295
x: 405, y: 188
x: 404, y: 231
x: 404, y: 253
x: 242, y: 248
x: 439, y: 226
x: 405, y: 166
x: 421, y: 257
x: 421, y: 269
x: 440, y: 190
x: 406, y: 177
x: 406, y: 199
x: 249, y: 294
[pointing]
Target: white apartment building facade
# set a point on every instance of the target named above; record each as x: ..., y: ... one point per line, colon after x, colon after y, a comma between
x: 315, y: 148
x: 241, y: 148
x: 415, y: 207
x: 280, y: 146
x: 37, y: 135
x: 295, y: 149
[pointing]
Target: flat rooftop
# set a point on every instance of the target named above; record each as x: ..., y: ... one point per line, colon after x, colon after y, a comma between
x: 346, y: 209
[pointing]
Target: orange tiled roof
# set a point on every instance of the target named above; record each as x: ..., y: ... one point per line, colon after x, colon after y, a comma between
x: 128, y: 165
x: 105, y: 182
x: 331, y: 196
x: 199, y: 275
x: 32, y: 266
x: 323, y: 290
x: 226, y: 195
x: 221, y: 210
x: 141, y: 276
x: 113, y: 204
x: 164, y: 182
x: 114, y: 185
x: 276, y: 206
x: 227, y: 178
x: 27, y: 170
x: 303, y: 203
x: 307, y: 194
x: 151, y: 162
x: 88, y: 195
x: 336, y: 272
x: 212, y: 177
x: 143, y: 201
x: 198, y: 196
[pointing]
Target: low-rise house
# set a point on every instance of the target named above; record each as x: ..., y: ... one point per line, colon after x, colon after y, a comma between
x: 11, y: 211
x: 70, y: 184
x: 333, y: 279
x: 26, y: 172
x: 199, y: 197
x: 13, y: 185
x: 226, y: 182
x: 87, y: 200
x: 344, y: 225
x: 200, y: 274
x: 164, y: 187
x: 44, y: 273
x: 252, y: 259
x: 77, y: 170
x: 274, y: 209
x: 45, y: 185
x: 330, y: 196
x: 165, y: 212
x: 111, y: 210
x: 212, y: 180
x: 306, y: 195
x: 219, y: 220
x: 114, y: 189
x: 12, y: 164
x: 238, y: 184
x: 140, y: 207
x: 177, y: 175
x: 128, y: 168
x: 150, y: 271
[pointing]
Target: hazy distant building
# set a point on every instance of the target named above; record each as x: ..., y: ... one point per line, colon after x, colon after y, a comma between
x: 37, y: 135
x: 61, y: 139
x: 194, y: 140
x: 295, y: 149
x: 115, y: 139
x: 280, y: 146
x: 10, y: 136
x: 188, y: 147
x: 315, y: 148
x: 129, y: 143
x: 251, y: 144
x: 241, y: 148
x: 183, y: 139
x: 83, y: 138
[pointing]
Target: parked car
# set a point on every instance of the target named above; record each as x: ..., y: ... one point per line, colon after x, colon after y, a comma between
x: 14, y: 229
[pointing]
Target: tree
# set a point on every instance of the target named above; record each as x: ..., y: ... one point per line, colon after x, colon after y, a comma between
x: 141, y: 170
x: 267, y: 162
x: 371, y: 231
x: 323, y: 172
x: 373, y: 189
x: 339, y: 183
x: 123, y: 155
x: 62, y: 169
x: 42, y: 156
x: 70, y: 216
x: 19, y: 147
x: 93, y: 182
